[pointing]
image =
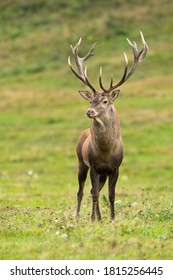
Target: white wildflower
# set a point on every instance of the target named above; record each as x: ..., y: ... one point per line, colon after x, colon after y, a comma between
x: 117, y: 201
x: 57, y: 212
x: 64, y: 235
x: 30, y: 172
x: 134, y: 204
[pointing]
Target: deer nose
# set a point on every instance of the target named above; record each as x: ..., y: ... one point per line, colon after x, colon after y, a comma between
x: 90, y: 113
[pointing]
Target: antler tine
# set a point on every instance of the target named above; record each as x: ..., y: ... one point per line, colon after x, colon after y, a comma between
x: 101, y: 84
x: 100, y: 80
x: 82, y: 75
x: 111, y: 83
x: 145, y: 47
x: 88, y: 82
x: 138, y: 57
x: 90, y: 53
x: 77, y: 59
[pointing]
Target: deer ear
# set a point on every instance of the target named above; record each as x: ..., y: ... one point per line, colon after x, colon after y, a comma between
x: 114, y: 94
x: 86, y: 94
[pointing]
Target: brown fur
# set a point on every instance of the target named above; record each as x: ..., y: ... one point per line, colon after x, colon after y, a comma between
x: 100, y: 149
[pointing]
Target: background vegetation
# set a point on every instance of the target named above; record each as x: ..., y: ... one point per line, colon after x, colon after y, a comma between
x: 42, y: 115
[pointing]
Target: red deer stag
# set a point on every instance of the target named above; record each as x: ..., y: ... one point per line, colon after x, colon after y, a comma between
x: 100, y: 147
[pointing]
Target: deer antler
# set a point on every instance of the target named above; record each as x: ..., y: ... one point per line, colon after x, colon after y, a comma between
x: 82, y: 75
x: 138, y: 57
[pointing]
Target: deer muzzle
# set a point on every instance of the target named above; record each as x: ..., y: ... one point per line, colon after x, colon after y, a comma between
x: 91, y: 113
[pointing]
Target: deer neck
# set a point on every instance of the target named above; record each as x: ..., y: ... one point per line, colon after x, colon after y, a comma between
x: 105, y: 131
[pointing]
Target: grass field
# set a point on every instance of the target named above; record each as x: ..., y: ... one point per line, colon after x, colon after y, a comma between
x: 42, y: 115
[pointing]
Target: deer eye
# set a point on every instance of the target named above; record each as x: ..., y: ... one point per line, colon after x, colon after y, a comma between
x: 105, y: 101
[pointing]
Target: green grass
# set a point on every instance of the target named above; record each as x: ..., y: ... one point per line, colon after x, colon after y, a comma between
x: 42, y: 115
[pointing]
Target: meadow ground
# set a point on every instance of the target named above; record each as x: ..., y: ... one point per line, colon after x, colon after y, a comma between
x: 42, y: 115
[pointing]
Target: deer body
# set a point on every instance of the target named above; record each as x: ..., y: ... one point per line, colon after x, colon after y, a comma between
x: 99, y: 148
x: 103, y: 145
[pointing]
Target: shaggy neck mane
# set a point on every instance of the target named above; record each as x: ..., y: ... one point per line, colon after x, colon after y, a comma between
x: 105, y: 131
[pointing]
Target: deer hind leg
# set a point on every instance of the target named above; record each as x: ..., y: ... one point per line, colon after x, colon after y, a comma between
x: 82, y: 174
x: 102, y: 180
x: 112, y: 183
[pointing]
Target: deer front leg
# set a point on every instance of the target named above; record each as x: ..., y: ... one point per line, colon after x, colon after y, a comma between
x: 82, y: 174
x: 112, y: 183
x: 95, y: 179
